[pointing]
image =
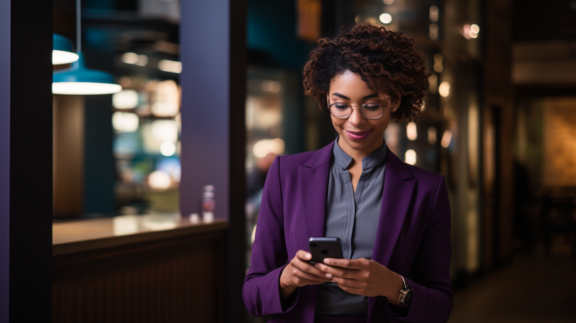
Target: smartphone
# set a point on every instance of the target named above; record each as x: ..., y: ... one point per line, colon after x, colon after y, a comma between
x: 325, y: 247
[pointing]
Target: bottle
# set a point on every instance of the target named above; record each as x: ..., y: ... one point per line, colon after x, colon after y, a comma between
x: 208, y: 203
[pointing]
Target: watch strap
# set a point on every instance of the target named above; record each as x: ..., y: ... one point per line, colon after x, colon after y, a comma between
x: 405, y: 295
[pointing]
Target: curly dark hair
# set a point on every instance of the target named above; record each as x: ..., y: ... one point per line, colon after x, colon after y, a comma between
x: 386, y: 60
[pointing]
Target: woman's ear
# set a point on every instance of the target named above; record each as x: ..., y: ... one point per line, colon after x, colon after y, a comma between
x: 395, y: 105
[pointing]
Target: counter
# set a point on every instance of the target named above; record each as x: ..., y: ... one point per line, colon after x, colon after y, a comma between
x: 152, y: 268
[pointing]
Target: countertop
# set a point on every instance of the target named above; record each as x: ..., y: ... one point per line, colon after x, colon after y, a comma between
x: 84, y: 235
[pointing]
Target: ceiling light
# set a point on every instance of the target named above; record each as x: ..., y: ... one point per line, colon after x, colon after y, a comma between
x: 62, y: 52
x: 78, y: 80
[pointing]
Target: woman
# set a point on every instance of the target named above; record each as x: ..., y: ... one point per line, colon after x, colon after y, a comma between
x: 393, y: 219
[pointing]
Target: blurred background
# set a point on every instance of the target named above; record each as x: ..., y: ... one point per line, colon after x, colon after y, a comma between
x: 498, y: 122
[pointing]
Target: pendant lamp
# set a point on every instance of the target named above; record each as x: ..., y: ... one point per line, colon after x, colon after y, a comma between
x: 78, y: 80
x: 62, y: 52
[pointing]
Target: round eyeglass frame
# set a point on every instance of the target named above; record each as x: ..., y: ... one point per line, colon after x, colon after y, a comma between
x: 352, y: 110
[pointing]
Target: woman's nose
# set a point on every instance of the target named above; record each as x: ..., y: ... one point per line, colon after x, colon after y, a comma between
x: 356, y: 118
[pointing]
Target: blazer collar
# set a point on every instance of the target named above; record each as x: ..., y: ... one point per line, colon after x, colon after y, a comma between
x: 396, y: 199
x: 320, y: 157
x: 313, y: 187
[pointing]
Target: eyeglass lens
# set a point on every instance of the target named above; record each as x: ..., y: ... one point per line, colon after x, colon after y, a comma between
x: 369, y: 111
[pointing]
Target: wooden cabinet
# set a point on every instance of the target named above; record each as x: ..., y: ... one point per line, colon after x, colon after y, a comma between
x: 172, y: 275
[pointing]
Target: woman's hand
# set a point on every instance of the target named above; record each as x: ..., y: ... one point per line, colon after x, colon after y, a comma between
x: 299, y: 272
x: 363, y: 277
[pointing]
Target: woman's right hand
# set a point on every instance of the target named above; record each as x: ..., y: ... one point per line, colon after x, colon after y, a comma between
x: 299, y: 272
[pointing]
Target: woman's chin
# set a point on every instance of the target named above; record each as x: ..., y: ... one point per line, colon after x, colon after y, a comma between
x: 360, y: 145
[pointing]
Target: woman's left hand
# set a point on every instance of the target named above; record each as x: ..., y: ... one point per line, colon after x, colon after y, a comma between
x: 363, y: 277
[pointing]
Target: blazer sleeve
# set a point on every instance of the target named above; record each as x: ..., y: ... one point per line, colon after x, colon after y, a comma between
x: 261, y: 291
x: 431, y: 287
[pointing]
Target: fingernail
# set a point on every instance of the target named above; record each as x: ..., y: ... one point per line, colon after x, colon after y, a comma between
x: 328, y: 275
x: 308, y: 256
x: 326, y: 261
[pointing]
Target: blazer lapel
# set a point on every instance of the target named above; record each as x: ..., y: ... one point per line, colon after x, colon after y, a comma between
x: 397, y: 195
x: 313, y: 188
x: 396, y: 199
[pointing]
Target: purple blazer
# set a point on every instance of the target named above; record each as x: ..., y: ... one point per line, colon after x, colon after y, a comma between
x: 413, y: 238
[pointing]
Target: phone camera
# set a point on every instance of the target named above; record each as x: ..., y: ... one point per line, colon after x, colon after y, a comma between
x: 313, y: 245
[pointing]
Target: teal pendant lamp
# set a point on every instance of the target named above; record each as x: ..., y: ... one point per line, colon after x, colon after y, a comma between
x: 78, y: 80
x: 62, y: 52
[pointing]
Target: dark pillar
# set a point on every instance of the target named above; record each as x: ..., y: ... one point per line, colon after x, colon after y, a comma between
x: 25, y: 160
x: 213, y: 79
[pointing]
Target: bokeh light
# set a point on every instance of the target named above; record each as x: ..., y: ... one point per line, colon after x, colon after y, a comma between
x: 411, y: 131
x: 410, y: 157
x: 159, y: 180
x: 167, y: 148
x: 170, y: 66
x: 125, y: 121
x: 446, y: 139
x: 444, y: 89
x: 386, y: 18
x: 125, y: 99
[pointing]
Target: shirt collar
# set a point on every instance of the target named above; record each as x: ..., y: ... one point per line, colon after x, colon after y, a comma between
x: 344, y: 160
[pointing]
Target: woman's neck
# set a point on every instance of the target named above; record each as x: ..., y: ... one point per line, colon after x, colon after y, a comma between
x: 358, y: 155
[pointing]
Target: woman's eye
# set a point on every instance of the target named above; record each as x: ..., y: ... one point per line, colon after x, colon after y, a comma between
x: 372, y: 107
x: 341, y: 106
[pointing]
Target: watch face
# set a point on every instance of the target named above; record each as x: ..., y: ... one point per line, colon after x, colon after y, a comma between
x: 408, y: 297
x: 405, y: 296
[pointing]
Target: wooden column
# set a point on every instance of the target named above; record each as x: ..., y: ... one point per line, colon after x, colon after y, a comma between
x: 68, y: 155
x: 25, y: 160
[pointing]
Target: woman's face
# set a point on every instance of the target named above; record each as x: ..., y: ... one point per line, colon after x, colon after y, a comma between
x: 357, y: 132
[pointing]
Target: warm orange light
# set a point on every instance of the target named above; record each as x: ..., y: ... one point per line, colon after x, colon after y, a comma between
x: 411, y: 131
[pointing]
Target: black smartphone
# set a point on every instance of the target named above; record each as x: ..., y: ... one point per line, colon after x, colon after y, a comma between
x: 325, y: 247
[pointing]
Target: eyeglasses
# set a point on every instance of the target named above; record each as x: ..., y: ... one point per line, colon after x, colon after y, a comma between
x: 369, y: 110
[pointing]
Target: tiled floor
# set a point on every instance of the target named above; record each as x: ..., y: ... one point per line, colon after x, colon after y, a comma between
x: 533, y: 289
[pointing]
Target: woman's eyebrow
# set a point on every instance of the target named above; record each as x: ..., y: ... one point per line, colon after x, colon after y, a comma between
x: 375, y: 95
x: 341, y: 96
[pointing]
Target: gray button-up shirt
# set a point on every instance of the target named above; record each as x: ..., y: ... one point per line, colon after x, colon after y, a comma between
x: 353, y: 217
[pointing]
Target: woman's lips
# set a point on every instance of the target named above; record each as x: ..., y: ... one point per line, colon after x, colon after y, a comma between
x: 358, y: 135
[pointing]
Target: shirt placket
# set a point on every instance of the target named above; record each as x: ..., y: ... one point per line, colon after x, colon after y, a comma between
x: 350, y: 212
x: 357, y: 198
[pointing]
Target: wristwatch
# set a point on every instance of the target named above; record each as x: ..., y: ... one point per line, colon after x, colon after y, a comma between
x: 405, y: 296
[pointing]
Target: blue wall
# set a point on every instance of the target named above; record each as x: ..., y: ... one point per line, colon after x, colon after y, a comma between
x: 272, y: 27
